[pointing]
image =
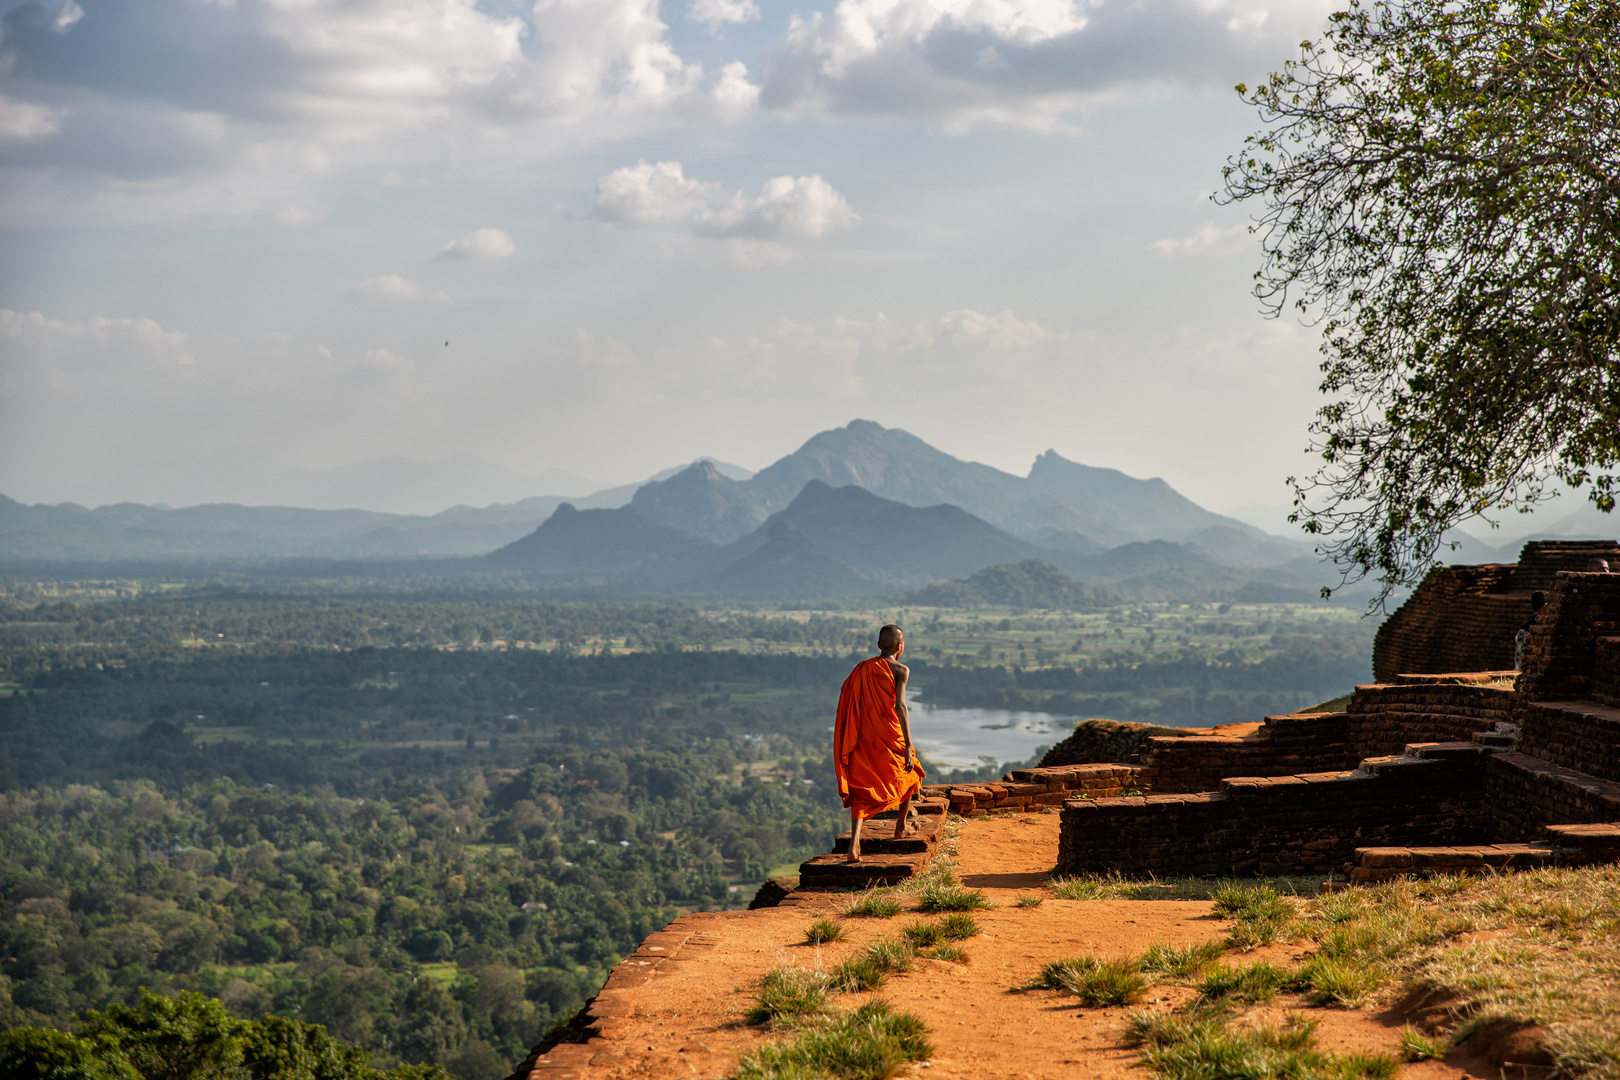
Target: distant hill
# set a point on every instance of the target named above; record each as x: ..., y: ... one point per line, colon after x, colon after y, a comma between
x: 1061, y: 504
x: 861, y: 529
x: 1032, y: 583
x: 785, y: 564
x: 68, y: 532
x: 609, y: 543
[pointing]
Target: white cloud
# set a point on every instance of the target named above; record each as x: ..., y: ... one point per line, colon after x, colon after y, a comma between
x: 715, y: 13
x: 1026, y: 63
x: 258, y: 97
x: 1207, y: 239
x: 21, y: 120
x: 481, y: 245
x: 643, y: 194
x: 802, y: 207
x: 46, y: 357
x: 786, y: 206
x: 1004, y: 332
x: 391, y: 288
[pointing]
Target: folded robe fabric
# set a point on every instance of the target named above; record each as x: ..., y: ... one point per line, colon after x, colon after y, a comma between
x: 869, y: 747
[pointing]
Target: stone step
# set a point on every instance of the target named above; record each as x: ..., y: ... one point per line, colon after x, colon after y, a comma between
x: 1387, y: 863
x: 1495, y: 740
x: 877, y: 837
x: 1601, y: 836
x: 1444, y: 751
x: 832, y: 872
x: 885, y: 844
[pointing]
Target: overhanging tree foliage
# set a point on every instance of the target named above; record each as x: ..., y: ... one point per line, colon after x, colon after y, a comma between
x: 1440, y: 185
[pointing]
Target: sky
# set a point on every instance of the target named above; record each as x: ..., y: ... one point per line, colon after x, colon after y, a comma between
x: 256, y: 237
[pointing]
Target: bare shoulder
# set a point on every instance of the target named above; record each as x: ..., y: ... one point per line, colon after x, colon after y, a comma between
x: 901, y: 672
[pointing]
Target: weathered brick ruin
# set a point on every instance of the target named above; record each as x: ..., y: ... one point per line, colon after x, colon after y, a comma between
x: 1462, y: 618
x: 1422, y: 771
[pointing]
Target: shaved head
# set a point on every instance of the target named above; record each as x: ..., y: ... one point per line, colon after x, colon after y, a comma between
x: 889, y: 637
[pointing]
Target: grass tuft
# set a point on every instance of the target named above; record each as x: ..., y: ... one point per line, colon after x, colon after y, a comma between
x: 1095, y: 982
x: 824, y: 930
x: 789, y: 993
x: 1337, y: 982
x: 951, y: 897
x: 872, y: 1043
x: 856, y: 974
x: 1179, y: 961
x: 894, y: 954
x: 1416, y: 1046
x: 872, y: 906
x: 1029, y: 901
x: 959, y: 926
x: 1245, y: 983
x: 1261, y: 914
x: 1249, y: 902
x: 1206, y: 1050
x: 947, y: 951
x: 923, y: 935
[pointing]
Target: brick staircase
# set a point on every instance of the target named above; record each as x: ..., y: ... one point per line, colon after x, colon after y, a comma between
x: 884, y: 860
x: 1566, y: 845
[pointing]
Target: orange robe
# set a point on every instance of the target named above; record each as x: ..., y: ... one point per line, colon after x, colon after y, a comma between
x: 869, y: 745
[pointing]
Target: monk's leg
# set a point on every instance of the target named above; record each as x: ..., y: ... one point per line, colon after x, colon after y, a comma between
x: 854, y: 837
x: 900, y: 821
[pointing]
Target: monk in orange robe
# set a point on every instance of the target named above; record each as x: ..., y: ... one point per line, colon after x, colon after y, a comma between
x: 872, y: 753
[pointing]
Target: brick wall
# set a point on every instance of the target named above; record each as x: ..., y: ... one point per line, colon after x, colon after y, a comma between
x: 1560, y: 656
x: 1606, y: 671
x: 1578, y: 734
x: 1031, y: 789
x: 1278, y: 825
x: 1284, y: 745
x: 1524, y: 794
x: 1441, y: 708
x: 1463, y: 618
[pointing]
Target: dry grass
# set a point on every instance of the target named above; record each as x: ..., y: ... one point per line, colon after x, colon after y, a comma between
x: 1116, y: 886
x: 1537, y: 947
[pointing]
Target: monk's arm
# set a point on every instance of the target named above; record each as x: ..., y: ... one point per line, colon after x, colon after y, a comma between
x: 901, y: 674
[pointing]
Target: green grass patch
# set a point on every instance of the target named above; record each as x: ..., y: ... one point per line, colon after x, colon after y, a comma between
x: 789, y: 993
x: 874, y: 1042
x: 1416, y: 1046
x: 1095, y: 982
x: 872, y: 905
x: 1210, y: 1051
x: 856, y: 974
x: 1029, y: 901
x: 1179, y: 961
x: 953, y: 897
x: 923, y: 935
x: 946, y: 951
x: 1245, y: 984
x: 824, y: 930
x: 959, y: 926
x: 1116, y: 886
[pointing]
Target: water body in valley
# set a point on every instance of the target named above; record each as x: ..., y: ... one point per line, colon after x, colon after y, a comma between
x: 957, y: 738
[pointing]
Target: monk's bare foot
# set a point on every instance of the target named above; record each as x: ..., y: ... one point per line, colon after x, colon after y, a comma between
x: 853, y: 857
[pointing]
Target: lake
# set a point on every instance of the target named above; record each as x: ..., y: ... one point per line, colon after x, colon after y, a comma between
x: 957, y: 738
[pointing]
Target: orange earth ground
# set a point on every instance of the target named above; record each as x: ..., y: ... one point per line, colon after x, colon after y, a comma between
x: 688, y: 1023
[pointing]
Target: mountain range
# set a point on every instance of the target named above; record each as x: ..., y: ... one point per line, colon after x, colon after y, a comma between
x: 857, y: 510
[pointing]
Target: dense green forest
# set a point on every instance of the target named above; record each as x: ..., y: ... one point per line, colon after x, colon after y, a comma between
x: 432, y: 821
